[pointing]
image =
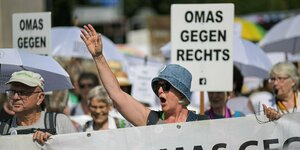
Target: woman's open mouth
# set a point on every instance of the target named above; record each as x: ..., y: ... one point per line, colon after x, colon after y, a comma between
x: 162, y: 100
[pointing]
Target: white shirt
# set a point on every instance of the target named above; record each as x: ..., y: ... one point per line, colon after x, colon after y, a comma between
x: 111, y: 124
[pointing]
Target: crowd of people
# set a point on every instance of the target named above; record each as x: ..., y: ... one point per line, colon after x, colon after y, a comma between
x: 29, y: 110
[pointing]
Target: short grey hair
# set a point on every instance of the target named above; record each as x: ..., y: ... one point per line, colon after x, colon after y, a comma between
x: 184, y: 102
x: 99, y: 93
x: 287, y: 68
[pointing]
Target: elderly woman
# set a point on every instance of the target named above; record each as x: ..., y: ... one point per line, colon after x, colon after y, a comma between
x: 172, y: 86
x: 99, y: 105
x: 284, y: 78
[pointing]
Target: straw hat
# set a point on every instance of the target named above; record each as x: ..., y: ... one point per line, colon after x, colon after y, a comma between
x: 115, y: 65
x: 122, y: 78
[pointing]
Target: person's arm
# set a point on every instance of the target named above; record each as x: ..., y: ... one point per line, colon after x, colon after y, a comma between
x: 271, y: 113
x: 130, y: 108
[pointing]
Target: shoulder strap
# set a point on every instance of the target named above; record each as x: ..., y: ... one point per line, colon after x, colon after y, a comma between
x: 194, y: 117
x: 153, y: 117
x: 5, y: 126
x: 86, y: 125
x: 50, y: 120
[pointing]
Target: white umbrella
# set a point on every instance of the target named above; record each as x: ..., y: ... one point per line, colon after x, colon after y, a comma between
x: 166, y: 50
x: 250, y: 59
x: 12, y: 60
x: 283, y: 37
x: 66, y: 42
x: 247, y: 56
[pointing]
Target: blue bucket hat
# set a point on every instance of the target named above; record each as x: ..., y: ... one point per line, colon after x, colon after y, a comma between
x: 179, y: 77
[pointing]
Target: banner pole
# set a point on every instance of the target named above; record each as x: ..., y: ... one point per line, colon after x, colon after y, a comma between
x: 201, y: 103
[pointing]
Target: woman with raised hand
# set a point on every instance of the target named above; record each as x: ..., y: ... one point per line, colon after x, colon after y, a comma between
x: 172, y: 86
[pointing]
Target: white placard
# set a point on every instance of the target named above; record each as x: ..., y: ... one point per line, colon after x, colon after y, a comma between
x: 141, y: 83
x: 201, y: 37
x: 32, y: 31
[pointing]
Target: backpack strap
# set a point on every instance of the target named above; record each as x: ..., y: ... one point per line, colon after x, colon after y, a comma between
x: 86, y: 125
x: 195, y: 117
x: 50, y: 120
x: 154, y: 117
x: 5, y: 126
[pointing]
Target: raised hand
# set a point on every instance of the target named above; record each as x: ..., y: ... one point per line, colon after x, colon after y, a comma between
x: 271, y: 113
x: 92, y: 40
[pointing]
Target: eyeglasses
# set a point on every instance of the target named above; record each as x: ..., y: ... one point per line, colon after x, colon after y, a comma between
x: 279, y: 79
x: 89, y: 85
x: 165, y: 86
x: 22, y: 94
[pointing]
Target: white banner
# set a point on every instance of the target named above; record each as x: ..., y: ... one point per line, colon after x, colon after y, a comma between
x: 201, y: 37
x: 243, y: 133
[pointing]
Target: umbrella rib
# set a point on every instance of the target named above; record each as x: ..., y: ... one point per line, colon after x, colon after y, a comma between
x: 23, y: 67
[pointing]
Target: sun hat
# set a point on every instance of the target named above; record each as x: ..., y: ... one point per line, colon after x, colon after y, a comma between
x: 115, y: 65
x: 28, y: 78
x: 122, y: 78
x: 179, y: 77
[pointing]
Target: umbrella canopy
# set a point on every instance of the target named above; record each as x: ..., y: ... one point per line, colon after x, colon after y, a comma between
x: 250, y: 59
x: 166, y: 50
x: 247, y: 56
x: 283, y: 37
x: 250, y: 30
x: 66, y: 42
x: 11, y: 60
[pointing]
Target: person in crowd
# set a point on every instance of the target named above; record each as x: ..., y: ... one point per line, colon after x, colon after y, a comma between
x: 218, y: 108
x: 123, y: 81
x: 74, y: 67
x: 57, y: 102
x: 86, y: 81
x: 262, y: 95
x: 100, y: 105
x: 5, y: 109
x: 284, y: 78
x: 172, y: 86
x: 237, y: 101
x: 26, y: 97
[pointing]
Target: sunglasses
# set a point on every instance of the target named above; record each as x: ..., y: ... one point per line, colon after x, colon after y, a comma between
x: 22, y: 94
x: 165, y: 86
x: 86, y: 85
